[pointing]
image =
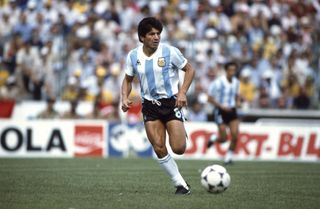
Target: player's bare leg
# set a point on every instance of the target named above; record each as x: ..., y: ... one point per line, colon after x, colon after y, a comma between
x: 177, y: 136
x: 156, y: 132
x: 234, y: 131
x: 220, y: 138
x: 223, y: 136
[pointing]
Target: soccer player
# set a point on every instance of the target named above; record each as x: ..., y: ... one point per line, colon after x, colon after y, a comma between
x: 223, y: 93
x: 157, y: 66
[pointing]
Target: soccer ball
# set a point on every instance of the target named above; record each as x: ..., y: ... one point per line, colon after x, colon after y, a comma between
x: 215, y: 179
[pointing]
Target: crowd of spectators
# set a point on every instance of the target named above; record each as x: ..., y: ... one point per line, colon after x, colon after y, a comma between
x: 75, y: 50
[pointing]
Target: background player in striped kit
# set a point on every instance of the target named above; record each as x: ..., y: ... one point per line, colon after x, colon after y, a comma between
x: 223, y: 93
x: 157, y: 66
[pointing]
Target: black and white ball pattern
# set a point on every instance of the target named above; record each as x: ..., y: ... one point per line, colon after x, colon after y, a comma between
x: 215, y: 179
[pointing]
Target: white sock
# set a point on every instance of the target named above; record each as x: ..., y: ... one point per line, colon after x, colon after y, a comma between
x: 170, y: 166
x: 213, y: 138
x: 229, y: 156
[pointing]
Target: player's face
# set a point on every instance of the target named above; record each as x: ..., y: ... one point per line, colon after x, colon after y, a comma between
x: 152, y: 39
x: 231, y: 71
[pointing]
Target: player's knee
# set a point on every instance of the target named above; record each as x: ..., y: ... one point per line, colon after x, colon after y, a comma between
x: 179, y: 150
x: 222, y: 139
x: 160, y: 150
x: 234, y: 141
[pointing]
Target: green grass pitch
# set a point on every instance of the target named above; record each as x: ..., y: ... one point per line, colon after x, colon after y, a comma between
x: 94, y: 183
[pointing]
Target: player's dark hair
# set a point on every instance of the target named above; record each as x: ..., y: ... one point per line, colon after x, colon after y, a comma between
x: 228, y: 64
x: 146, y: 25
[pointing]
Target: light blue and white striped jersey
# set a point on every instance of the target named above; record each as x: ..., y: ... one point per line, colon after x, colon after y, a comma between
x: 223, y: 91
x: 159, y: 73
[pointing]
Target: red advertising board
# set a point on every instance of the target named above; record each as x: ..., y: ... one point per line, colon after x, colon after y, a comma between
x: 89, y: 141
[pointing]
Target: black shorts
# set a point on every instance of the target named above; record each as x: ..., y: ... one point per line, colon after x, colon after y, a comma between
x: 222, y: 117
x: 161, y: 109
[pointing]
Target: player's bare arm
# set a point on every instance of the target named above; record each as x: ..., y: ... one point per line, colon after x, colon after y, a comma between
x: 217, y: 104
x: 188, y: 77
x: 125, y: 91
x: 238, y: 101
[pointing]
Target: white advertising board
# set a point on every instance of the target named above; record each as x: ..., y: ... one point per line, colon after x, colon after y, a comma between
x: 256, y: 143
x: 82, y: 138
x: 36, y: 138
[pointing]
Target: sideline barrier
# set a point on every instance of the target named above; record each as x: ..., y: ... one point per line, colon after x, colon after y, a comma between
x: 97, y: 138
x: 258, y: 143
x: 56, y: 138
